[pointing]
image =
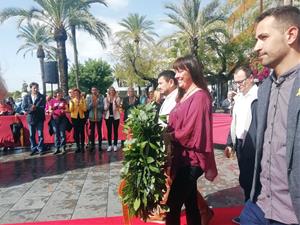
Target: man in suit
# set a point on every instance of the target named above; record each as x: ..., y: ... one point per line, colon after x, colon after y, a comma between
x: 34, y: 106
x: 275, y: 195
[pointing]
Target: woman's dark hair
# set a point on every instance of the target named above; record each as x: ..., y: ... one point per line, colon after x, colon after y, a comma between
x: 190, y: 64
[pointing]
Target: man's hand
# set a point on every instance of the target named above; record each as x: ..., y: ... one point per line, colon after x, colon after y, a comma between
x: 33, y: 107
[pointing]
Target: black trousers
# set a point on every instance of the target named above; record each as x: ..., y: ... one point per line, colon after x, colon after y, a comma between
x: 246, y: 167
x: 184, y: 191
x: 115, y: 123
x: 79, y: 135
x: 92, y: 131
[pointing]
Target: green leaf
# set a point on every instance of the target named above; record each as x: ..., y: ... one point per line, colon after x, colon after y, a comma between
x: 150, y: 160
x: 136, y: 204
x: 154, y: 169
x: 144, y: 159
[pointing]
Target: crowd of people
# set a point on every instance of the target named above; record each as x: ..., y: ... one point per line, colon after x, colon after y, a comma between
x: 79, y: 111
x: 264, y: 133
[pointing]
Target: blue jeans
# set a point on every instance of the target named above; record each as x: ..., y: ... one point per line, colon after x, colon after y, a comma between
x: 59, y: 128
x: 253, y: 215
x: 32, y: 131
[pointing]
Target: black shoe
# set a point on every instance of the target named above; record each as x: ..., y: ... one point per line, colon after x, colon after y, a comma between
x: 236, y: 220
x: 78, y: 150
x: 42, y: 152
x: 57, y: 151
x: 33, y: 153
x: 92, y: 147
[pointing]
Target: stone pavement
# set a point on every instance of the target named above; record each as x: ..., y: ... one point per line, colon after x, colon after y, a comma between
x: 84, y: 185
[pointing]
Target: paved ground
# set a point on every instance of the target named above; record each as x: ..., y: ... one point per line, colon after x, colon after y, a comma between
x: 84, y: 185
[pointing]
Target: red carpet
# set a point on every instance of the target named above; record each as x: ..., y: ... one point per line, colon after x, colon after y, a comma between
x: 222, y: 216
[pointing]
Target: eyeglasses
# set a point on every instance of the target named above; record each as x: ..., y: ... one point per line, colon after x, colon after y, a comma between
x: 239, y: 82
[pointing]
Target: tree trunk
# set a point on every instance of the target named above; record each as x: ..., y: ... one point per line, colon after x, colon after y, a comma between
x: 287, y: 2
x: 73, y: 32
x: 194, y: 47
x: 60, y: 37
x: 41, y: 55
x: 261, y: 6
x: 43, y: 75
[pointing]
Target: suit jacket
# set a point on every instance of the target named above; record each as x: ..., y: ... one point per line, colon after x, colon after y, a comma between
x: 292, y: 141
x: 38, y: 115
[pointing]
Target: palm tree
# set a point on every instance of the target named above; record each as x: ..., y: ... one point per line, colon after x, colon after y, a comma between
x: 194, y: 24
x: 82, y: 19
x: 137, y: 32
x: 36, y: 38
x: 55, y: 14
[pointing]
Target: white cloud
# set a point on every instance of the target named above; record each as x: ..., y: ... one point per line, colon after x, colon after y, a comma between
x: 117, y: 4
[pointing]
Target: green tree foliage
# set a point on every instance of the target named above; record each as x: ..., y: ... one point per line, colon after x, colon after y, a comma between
x: 93, y: 72
x: 16, y: 94
x: 33, y: 36
x: 132, y: 42
x: 146, y: 67
x: 194, y: 23
x: 37, y: 38
x: 57, y: 15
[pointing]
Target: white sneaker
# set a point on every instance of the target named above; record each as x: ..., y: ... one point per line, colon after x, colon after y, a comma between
x: 109, y: 148
x: 115, y: 148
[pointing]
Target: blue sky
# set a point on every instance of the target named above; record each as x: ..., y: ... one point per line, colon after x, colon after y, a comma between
x: 16, y: 69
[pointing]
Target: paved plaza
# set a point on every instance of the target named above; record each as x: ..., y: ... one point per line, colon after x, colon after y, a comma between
x: 84, y: 185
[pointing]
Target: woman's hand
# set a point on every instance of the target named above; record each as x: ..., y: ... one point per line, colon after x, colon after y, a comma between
x: 229, y: 152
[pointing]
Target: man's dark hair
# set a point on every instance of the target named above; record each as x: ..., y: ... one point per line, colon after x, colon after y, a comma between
x: 33, y: 84
x: 284, y: 15
x: 248, y: 71
x: 168, y: 75
x: 93, y: 87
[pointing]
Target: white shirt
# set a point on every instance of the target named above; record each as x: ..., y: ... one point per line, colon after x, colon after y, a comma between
x: 242, y: 112
x: 33, y: 98
x: 167, y: 106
